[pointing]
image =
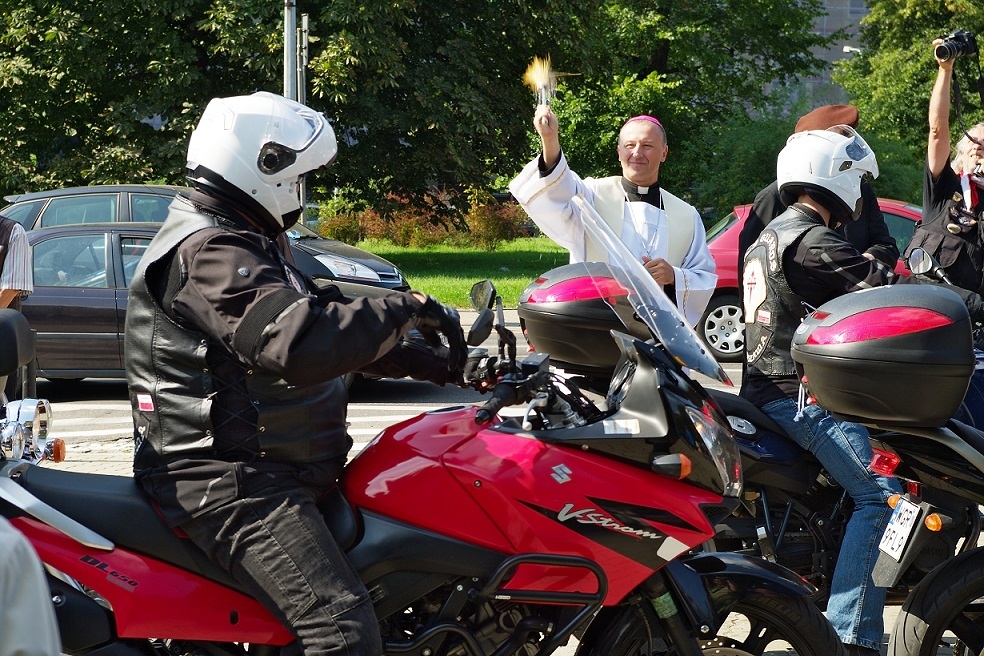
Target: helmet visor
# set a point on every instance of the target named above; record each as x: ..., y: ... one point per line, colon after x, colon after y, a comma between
x: 284, y: 144
x: 857, y: 148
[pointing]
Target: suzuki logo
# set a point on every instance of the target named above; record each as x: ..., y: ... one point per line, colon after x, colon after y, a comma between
x: 561, y: 474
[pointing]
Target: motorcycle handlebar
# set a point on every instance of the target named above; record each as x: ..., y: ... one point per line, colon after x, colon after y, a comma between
x: 505, y: 393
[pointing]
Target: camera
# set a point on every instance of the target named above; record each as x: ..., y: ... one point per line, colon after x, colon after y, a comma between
x: 956, y: 44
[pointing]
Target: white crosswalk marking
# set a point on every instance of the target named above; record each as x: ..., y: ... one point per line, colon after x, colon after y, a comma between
x: 113, y: 420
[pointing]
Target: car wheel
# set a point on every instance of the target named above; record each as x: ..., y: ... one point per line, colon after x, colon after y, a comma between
x: 722, y: 329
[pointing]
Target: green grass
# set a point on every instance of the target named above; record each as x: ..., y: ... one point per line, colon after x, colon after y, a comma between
x: 448, y: 273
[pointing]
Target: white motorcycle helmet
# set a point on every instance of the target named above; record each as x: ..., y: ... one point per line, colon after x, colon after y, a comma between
x: 829, y: 165
x: 255, y: 149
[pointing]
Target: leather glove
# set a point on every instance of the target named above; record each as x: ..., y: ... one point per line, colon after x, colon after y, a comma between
x: 415, y: 357
x: 974, y: 302
x: 434, y: 317
x: 479, y: 370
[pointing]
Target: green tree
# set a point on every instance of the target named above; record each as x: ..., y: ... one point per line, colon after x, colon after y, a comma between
x: 735, y: 160
x: 427, y: 94
x: 695, y: 65
x: 420, y: 93
x: 423, y: 95
x: 108, y: 91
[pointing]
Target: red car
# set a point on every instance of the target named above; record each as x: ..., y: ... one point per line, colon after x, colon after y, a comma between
x: 721, y: 326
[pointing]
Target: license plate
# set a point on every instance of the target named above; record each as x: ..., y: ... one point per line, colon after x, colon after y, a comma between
x: 899, y: 528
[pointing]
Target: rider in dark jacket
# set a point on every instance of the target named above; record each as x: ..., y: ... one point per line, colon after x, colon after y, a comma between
x: 868, y: 232
x: 797, y: 263
x: 234, y: 360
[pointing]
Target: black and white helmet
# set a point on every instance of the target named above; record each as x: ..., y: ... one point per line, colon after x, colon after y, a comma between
x: 256, y: 149
x: 829, y: 165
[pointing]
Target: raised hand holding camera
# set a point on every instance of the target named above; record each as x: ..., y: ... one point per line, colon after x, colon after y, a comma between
x: 956, y: 44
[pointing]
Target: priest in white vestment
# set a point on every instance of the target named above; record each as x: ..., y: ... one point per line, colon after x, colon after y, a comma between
x: 665, y: 232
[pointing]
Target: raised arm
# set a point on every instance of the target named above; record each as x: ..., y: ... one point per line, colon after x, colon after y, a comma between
x: 545, y: 122
x: 938, y: 148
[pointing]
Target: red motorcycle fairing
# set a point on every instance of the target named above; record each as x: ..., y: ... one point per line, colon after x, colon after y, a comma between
x: 554, y: 498
x: 186, y: 606
x: 400, y: 475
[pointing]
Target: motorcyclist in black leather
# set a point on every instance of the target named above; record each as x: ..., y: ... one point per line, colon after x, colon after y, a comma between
x: 817, y: 265
x: 868, y: 232
x: 797, y: 263
x: 234, y: 360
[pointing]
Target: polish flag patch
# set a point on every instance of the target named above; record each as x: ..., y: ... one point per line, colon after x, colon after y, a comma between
x: 145, y: 403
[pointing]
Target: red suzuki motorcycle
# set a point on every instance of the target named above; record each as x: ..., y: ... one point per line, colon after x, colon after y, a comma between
x: 477, y: 531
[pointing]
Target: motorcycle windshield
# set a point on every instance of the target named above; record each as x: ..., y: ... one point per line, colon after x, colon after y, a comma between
x: 646, y: 298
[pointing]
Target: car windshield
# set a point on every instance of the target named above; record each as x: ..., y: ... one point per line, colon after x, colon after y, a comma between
x: 722, y: 225
x: 298, y: 231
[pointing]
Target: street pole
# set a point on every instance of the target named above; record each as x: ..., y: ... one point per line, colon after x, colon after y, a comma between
x: 290, y: 49
x: 301, y: 61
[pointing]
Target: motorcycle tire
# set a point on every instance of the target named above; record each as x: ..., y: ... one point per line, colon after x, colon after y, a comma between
x: 754, y: 627
x: 949, y: 600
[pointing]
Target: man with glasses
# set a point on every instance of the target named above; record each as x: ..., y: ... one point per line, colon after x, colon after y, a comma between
x: 953, y: 191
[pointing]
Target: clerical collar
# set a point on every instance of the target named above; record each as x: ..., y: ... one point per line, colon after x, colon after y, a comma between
x: 635, y: 193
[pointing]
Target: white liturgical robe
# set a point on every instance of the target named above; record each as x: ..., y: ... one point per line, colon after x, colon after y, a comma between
x: 646, y: 229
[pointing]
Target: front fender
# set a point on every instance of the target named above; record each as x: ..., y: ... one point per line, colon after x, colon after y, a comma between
x: 708, y: 585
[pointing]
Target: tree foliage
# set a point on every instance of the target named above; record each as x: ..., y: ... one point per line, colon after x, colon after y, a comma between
x: 891, y: 80
x: 698, y: 66
x: 423, y: 95
x: 426, y: 93
x: 108, y: 91
x: 739, y: 159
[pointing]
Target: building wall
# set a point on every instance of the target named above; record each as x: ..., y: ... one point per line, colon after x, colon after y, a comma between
x: 840, y: 14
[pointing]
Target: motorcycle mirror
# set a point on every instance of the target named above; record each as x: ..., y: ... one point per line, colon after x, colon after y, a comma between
x: 482, y: 328
x: 482, y: 294
x: 920, y: 262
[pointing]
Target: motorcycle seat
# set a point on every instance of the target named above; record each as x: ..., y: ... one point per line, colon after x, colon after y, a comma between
x: 116, y: 508
x: 732, y: 404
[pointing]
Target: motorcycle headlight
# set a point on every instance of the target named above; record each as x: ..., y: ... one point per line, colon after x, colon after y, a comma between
x: 26, y: 429
x: 720, y: 447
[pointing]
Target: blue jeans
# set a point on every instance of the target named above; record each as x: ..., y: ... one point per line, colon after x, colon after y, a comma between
x: 277, y: 545
x: 856, y: 603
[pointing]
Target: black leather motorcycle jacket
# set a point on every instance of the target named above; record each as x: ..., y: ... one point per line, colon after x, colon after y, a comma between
x: 949, y: 231
x: 173, y: 387
x: 772, y: 309
x: 799, y: 264
x: 222, y: 404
